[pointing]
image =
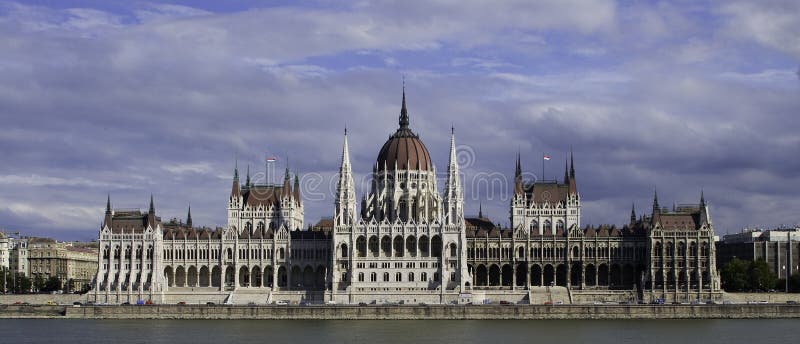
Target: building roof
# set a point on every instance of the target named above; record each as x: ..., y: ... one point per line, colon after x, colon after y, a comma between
x: 404, y: 150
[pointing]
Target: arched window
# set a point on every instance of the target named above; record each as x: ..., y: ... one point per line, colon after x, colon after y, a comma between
x: 373, y: 277
x: 453, y: 250
x: 411, y: 277
x: 423, y: 277
x: 386, y: 277
x: 560, y: 225
x: 230, y: 253
x: 361, y: 277
x: 398, y: 277
x: 534, y: 226
x: 344, y: 251
x: 547, y: 226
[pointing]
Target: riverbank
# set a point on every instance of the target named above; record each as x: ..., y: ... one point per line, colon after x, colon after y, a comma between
x: 407, y: 312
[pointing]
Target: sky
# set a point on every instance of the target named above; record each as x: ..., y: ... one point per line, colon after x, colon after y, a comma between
x: 133, y: 98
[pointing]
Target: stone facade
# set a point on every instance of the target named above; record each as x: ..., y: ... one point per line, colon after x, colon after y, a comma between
x: 71, y: 264
x: 408, y: 242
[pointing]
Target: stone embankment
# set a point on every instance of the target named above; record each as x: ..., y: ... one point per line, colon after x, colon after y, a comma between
x: 398, y: 312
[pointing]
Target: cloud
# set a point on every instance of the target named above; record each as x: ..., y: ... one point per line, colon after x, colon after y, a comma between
x: 162, y: 100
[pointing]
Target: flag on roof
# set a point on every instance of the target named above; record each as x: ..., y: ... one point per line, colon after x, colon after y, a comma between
x: 271, y: 159
x: 546, y: 157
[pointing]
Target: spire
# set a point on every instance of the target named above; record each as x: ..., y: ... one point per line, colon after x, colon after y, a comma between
x: 453, y: 201
x: 566, y: 171
x: 235, y: 185
x: 633, y: 213
x: 518, y: 177
x: 296, y: 188
x: 287, y: 188
x: 151, y: 215
x: 247, y: 181
x: 656, y: 208
x: 702, y: 199
x: 345, y: 209
x: 480, y: 210
x: 108, y: 205
x: 189, y: 216
x: 571, y: 164
x: 403, y: 111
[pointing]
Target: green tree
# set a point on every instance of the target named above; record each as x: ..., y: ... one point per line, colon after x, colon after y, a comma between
x: 52, y: 284
x: 734, y: 275
x: 760, y: 277
x: 794, y: 283
x: 68, y: 288
x: 22, y: 284
x: 38, y: 283
x: 5, y: 280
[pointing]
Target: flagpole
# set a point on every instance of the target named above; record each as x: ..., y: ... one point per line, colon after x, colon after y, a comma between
x: 542, y: 166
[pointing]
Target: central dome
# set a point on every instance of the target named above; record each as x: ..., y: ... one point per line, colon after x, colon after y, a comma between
x: 404, y: 149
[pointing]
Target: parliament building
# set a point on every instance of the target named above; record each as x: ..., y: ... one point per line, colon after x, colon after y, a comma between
x: 406, y: 241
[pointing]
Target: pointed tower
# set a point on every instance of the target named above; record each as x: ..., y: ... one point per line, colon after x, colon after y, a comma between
x: 109, y: 213
x: 247, y: 181
x: 235, y: 191
x: 656, y: 208
x: 573, y: 186
x: 480, y: 210
x: 151, y: 213
x: 705, y: 217
x: 633, y: 214
x: 345, y: 204
x: 518, y: 177
x: 286, y: 191
x: 296, y: 189
x: 453, y: 200
x: 566, y: 171
x: 189, y: 217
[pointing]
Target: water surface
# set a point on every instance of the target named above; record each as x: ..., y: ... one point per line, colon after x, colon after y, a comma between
x: 399, y: 331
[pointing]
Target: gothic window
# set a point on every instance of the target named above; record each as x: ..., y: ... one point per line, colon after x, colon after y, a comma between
x: 411, y: 277
x: 361, y: 277
x: 403, y: 211
x: 344, y: 250
x: 398, y: 277
x: 373, y: 277
x: 560, y: 225
x: 423, y: 277
x: 453, y: 250
x: 547, y: 226
x: 534, y: 226
x: 386, y: 277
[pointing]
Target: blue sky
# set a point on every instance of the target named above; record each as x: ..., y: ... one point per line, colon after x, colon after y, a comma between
x: 133, y: 98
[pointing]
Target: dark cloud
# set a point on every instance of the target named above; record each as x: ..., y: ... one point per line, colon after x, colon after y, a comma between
x: 163, y: 101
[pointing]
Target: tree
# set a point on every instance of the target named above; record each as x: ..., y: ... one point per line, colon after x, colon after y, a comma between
x: 38, y: 283
x: 760, y: 276
x: 22, y: 284
x: 734, y: 275
x: 68, y: 288
x: 794, y: 283
x: 52, y: 284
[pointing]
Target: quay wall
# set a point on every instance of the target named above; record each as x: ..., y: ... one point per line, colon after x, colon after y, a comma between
x: 434, y: 312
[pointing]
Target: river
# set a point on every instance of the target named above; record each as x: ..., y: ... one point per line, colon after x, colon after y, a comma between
x: 399, y: 331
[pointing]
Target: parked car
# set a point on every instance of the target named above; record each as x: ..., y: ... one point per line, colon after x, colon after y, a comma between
x: 209, y: 303
x: 251, y: 303
x: 77, y: 303
x: 282, y: 303
x: 791, y: 302
x: 126, y: 303
x: 182, y: 303
x: 505, y: 303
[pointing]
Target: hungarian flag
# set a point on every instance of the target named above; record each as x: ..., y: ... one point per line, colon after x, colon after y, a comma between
x: 546, y: 157
x: 271, y: 159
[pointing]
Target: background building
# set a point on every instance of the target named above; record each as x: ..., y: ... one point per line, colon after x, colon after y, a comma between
x: 73, y: 264
x: 780, y: 248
